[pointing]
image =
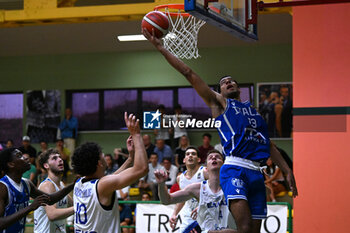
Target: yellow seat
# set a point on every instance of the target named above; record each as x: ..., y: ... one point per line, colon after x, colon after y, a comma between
x: 134, y: 192
x: 281, y: 194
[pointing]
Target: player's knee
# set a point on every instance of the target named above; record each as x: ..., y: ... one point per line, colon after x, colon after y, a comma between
x: 245, y: 228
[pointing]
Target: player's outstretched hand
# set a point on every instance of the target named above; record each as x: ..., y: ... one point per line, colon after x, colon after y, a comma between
x: 194, y: 213
x: 173, y: 220
x: 41, y: 200
x: 151, y: 37
x: 292, y: 184
x: 132, y: 123
x: 161, y: 176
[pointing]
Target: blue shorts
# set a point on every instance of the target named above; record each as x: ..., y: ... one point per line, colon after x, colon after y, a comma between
x: 243, y: 183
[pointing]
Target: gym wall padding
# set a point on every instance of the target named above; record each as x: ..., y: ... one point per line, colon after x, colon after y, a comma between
x: 321, y: 78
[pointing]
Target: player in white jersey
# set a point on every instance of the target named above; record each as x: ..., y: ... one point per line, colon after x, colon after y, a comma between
x: 15, y: 192
x: 212, y: 211
x: 94, y: 195
x: 194, y: 173
x: 52, y: 219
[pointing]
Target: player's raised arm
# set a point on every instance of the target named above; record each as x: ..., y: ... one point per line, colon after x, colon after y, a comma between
x: 130, y: 160
x: 182, y: 195
x: 210, y: 97
x: 108, y: 184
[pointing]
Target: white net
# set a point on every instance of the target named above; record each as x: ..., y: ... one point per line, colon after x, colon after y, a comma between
x: 182, y: 38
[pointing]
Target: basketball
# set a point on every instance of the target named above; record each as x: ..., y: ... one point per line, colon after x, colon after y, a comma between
x: 158, y: 21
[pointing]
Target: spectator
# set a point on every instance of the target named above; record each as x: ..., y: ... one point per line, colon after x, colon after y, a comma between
x: 64, y: 152
x: 148, y: 144
x: 274, y: 180
x: 120, y: 156
x: 162, y: 133
x: 172, y: 171
x: 31, y: 173
x: 205, y: 147
x: 286, y: 115
x: 26, y: 148
x: 123, y: 193
x: 178, y: 131
x: 275, y: 109
x: 69, y: 131
x: 150, y: 182
x: 9, y: 143
x: 163, y: 151
x: 125, y: 217
x: 145, y: 196
x: 111, y: 165
x: 43, y: 147
x: 180, y: 153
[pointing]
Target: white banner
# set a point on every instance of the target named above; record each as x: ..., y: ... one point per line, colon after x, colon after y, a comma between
x: 276, y: 221
x: 154, y: 218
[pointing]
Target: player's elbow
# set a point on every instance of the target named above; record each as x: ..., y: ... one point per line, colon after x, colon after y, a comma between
x: 51, y: 217
x: 187, y: 72
x: 2, y: 225
x: 165, y: 201
x: 141, y: 171
x: 145, y: 171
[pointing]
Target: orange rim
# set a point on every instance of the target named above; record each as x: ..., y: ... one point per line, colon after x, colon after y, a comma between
x: 170, y: 7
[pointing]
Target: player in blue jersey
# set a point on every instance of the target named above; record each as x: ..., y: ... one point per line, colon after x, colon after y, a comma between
x: 15, y: 192
x: 245, y: 142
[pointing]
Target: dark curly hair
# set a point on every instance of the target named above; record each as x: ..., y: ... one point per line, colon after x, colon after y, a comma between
x: 44, y: 157
x: 85, y: 158
x: 5, y: 157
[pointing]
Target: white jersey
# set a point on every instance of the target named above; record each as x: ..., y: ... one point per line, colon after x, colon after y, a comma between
x: 90, y: 215
x: 42, y: 224
x: 212, y: 211
x: 191, y: 204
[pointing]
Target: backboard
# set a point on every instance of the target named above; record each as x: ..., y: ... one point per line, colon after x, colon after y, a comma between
x: 238, y: 17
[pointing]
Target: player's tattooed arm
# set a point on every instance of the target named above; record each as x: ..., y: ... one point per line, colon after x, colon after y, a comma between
x: 277, y: 158
x: 210, y: 97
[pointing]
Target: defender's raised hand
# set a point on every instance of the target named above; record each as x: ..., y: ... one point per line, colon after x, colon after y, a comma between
x: 132, y: 123
x: 41, y: 200
x: 161, y: 176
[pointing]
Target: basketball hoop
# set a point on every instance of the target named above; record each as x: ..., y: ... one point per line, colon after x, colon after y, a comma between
x: 182, y: 38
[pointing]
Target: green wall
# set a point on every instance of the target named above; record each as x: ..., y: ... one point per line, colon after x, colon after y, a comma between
x: 247, y: 64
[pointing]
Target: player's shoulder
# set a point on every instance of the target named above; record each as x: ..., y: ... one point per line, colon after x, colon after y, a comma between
x: 3, y: 186
x: 47, y: 186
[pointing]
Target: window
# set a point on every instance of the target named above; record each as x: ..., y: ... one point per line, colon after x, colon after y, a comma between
x: 193, y: 104
x: 11, y: 117
x: 85, y: 107
x: 104, y: 109
x: 116, y: 102
x: 151, y: 99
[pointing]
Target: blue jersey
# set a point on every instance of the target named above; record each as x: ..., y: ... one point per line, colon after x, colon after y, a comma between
x: 17, y: 200
x: 243, y: 132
